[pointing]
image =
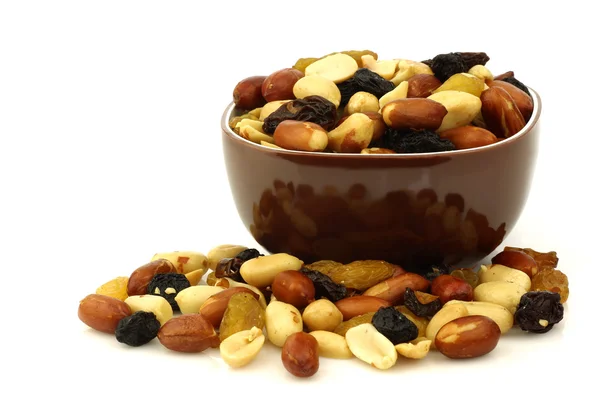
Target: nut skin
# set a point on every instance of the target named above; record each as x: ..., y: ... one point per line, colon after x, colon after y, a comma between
x: 414, y: 113
x: 522, y: 99
x: 422, y: 85
x: 294, y: 288
x: 141, y: 277
x: 102, y: 313
x: 500, y: 112
x: 468, y: 337
x: 247, y: 94
x: 191, y: 333
x: 280, y: 84
x: 214, y: 307
x: 517, y: 260
x: 392, y: 289
x: 351, y: 307
x: 300, y: 135
x: 300, y: 355
x: 469, y: 137
x: 448, y: 287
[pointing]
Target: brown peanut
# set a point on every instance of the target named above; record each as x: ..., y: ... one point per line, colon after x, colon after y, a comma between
x: 392, y: 289
x: 102, y: 313
x: 300, y: 135
x: 141, y: 277
x: 351, y: 307
x: 191, y: 333
x: 300, y: 355
x: 468, y: 337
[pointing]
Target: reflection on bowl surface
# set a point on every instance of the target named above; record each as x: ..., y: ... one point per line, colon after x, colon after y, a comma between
x: 407, y: 209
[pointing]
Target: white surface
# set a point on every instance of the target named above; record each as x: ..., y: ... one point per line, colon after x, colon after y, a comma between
x: 110, y: 152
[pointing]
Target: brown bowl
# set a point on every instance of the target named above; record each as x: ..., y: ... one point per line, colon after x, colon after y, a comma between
x: 408, y: 209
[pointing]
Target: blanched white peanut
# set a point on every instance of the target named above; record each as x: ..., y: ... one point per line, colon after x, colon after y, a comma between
x: 462, y: 108
x: 268, y: 108
x: 446, y: 314
x: 150, y: 303
x: 384, y: 68
x: 502, y: 273
x: 482, y: 72
x: 400, y: 92
x: 501, y: 316
x: 190, y: 299
x: 316, y: 85
x: 281, y: 320
x: 415, y: 350
x: 242, y: 347
x: 261, y: 271
x: 352, y: 135
x: 506, y: 294
x: 362, y: 102
x: 222, y: 251
x: 322, y: 315
x: 195, y: 277
x: 407, y: 69
x: 184, y: 261
x: 370, y: 346
x: 254, y: 135
x: 226, y: 283
x: 332, y: 345
x: 258, y: 125
x: 337, y: 67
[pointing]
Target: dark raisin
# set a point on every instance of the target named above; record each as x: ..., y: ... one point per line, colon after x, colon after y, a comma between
x: 431, y: 271
x: 137, y: 329
x: 515, y: 82
x: 167, y: 286
x: 230, y: 268
x: 538, y: 312
x: 474, y: 58
x: 420, y: 309
x: 446, y: 65
x: 248, y: 254
x: 364, y: 80
x: 314, y: 109
x: 414, y: 141
x: 392, y: 324
x: 324, y: 286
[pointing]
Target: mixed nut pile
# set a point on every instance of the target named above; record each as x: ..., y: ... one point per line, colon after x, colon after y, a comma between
x: 352, y: 102
x: 368, y: 309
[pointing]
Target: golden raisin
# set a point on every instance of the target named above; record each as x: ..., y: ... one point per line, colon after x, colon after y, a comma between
x: 242, y: 313
x: 352, y: 322
x: 361, y: 275
x: 547, y: 260
x: 420, y: 322
x: 551, y: 280
x: 116, y: 288
x: 211, y: 279
x: 302, y: 63
x: 324, y: 266
x: 468, y: 275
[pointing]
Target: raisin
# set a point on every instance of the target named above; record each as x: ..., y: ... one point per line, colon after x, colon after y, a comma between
x: 420, y: 307
x: 325, y: 266
x: 314, y: 109
x: 551, y: 280
x: 137, y: 329
x: 432, y: 271
x: 394, y: 325
x: 515, y: 82
x: 446, y: 65
x: 167, y: 286
x: 352, y: 322
x: 324, y: 286
x: 474, y: 58
x: 467, y: 275
x: 360, y: 275
x: 242, y: 313
x: 543, y: 260
x: 420, y: 322
x: 364, y: 80
x: 538, y: 312
x: 116, y: 288
x: 302, y: 63
x: 211, y: 279
x: 229, y: 268
x: 414, y: 141
x: 248, y: 254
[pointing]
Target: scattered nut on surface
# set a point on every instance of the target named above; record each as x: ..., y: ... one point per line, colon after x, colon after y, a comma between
x: 416, y: 351
x: 239, y: 349
x: 369, y: 345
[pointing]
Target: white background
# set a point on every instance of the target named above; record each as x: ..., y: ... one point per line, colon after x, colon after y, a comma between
x: 110, y: 151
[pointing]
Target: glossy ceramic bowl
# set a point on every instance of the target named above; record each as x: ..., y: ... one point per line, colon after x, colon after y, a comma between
x: 408, y: 209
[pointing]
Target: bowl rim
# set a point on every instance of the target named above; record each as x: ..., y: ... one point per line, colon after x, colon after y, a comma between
x: 537, y: 109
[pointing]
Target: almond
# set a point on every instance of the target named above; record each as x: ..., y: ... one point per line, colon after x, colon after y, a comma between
x: 300, y: 135
x: 422, y: 85
x: 141, y: 277
x: 414, y: 113
x: 102, y: 313
x: 500, y: 112
x: 214, y: 307
x: 523, y: 100
x: 469, y: 137
x: 351, y: 307
x: 190, y: 333
x: 392, y: 289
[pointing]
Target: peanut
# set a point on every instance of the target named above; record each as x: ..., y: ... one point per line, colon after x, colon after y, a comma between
x: 322, y: 315
x: 352, y: 135
x: 190, y: 333
x: 406, y: 69
x: 261, y: 271
x: 400, y: 92
x: 141, y: 277
x: 254, y: 135
x: 269, y: 108
x: 462, y: 108
x: 502, y: 273
x: 185, y: 261
x: 499, y: 314
x: 337, y: 67
x: 190, y: 299
x: 468, y: 337
x: 369, y: 345
x: 220, y: 252
x: 102, y: 313
x: 362, y: 102
x: 506, y: 294
x: 316, y: 85
x: 281, y: 321
x: 155, y: 304
x: 384, y: 68
x: 300, y: 355
x: 332, y: 345
x: 446, y: 314
x: 416, y: 351
x: 481, y: 72
x: 300, y: 135
x: 239, y: 349
x: 464, y: 83
x: 214, y: 307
